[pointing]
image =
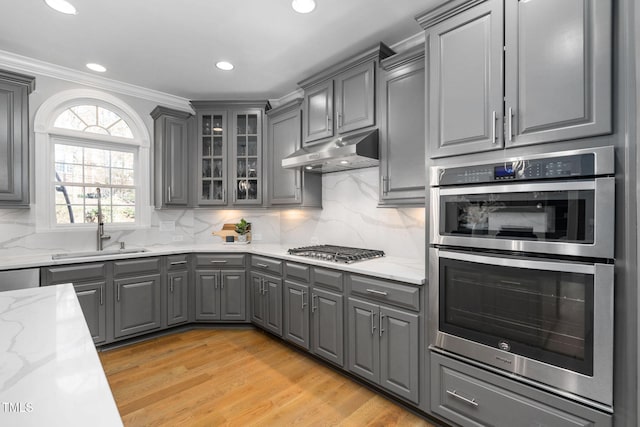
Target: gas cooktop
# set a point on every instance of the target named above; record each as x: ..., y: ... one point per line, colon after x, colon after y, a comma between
x: 342, y: 254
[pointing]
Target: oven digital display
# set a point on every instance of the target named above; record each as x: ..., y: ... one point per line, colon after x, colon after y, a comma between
x: 505, y: 171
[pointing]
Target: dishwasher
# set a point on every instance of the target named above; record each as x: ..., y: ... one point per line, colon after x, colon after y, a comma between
x: 19, y: 279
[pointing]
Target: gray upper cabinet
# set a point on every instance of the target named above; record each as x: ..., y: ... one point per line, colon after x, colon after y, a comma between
x: 171, y: 146
x: 341, y: 98
x: 288, y: 187
x: 137, y: 305
x: 14, y: 138
x: 557, y: 70
x: 465, y: 81
x: 229, y: 159
x: 318, y: 107
x: 402, y: 130
x: 555, y: 59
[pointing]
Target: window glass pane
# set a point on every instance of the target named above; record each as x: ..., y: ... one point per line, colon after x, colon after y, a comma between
x: 120, y: 159
x: 97, y: 129
x: 87, y: 113
x: 107, y: 118
x: 69, y: 214
x: 97, y: 175
x: 68, y: 173
x: 69, y: 120
x: 96, y: 156
x: 93, y: 119
x: 124, y: 196
x: 122, y: 176
x: 124, y: 214
x: 121, y: 129
x: 68, y: 154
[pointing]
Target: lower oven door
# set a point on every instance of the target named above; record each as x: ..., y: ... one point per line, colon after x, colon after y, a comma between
x: 545, y: 320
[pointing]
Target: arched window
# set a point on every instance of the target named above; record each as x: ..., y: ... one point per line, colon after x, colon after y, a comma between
x: 85, y: 144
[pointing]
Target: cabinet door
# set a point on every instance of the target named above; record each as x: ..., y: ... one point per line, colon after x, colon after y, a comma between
x: 176, y: 161
x: 355, y: 94
x: 399, y: 369
x: 296, y: 313
x: 91, y: 298
x: 207, y: 295
x: 273, y: 304
x: 284, y: 139
x: 327, y: 326
x: 402, y: 162
x: 557, y: 70
x: 137, y: 306
x: 465, y: 63
x: 213, y: 152
x: 177, y: 305
x: 246, y: 180
x: 14, y: 142
x: 233, y: 295
x: 257, y: 289
x: 364, y: 343
x: 317, y: 114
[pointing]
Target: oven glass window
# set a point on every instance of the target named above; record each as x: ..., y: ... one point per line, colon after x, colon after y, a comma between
x: 542, y: 315
x: 560, y: 216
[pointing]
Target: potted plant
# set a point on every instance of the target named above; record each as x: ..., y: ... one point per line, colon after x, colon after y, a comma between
x: 243, y: 228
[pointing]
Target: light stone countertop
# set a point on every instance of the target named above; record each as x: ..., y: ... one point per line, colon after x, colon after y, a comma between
x: 50, y: 373
x: 410, y: 271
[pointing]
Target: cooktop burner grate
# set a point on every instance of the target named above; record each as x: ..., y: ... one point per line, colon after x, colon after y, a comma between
x: 342, y: 254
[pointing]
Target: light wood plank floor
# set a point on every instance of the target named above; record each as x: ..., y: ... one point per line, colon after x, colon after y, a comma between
x: 209, y: 377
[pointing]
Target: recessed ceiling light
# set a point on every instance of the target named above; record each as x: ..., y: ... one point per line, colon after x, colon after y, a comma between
x: 344, y: 162
x: 224, y: 65
x: 62, y: 6
x: 96, y: 67
x: 303, y: 6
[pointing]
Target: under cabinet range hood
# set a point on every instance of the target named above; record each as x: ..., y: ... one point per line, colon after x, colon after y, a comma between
x: 353, y: 151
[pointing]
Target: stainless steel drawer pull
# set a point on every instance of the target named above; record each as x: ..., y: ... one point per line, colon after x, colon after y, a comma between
x: 178, y: 262
x: 373, y: 323
x: 373, y: 291
x: 262, y: 265
x: 380, y: 329
x: 218, y: 261
x: 466, y: 400
x: 101, y: 300
x: 304, y: 304
x: 314, y: 307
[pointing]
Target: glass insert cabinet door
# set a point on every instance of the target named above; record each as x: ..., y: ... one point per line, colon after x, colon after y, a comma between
x: 212, y: 181
x: 246, y: 184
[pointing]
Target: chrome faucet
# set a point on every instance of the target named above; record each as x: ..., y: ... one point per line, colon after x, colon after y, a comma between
x: 101, y: 236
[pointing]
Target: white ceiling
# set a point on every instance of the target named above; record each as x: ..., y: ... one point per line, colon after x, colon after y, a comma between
x: 172, y: 45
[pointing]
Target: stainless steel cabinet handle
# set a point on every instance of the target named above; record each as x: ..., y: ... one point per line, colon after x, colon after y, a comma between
x: 218, y: 261
x: 177, y: 262
x: 493, y: 134
x: 510, y: 123
x: 314, y: 307
x: 339, y: 120
x: 373, y: 323
x: 222, y: 284
x: 171, y: 287
x: 224, y: 194
x: 471, y: 402
x: 262, y: 265
x: 101, y: 300
x: 373, y: 291
x: 117, y: 292
x: 168, y: 193
x: 381, y: 319
x: 303, y: 303
x: 385, y: 184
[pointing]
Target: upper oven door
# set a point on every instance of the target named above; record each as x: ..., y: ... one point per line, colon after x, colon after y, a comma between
x: 571, y: 218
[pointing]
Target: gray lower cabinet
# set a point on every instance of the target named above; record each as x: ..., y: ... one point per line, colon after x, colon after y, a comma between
x: 137, y: 305
x: 327, y: 325
x: 177, y: 297
x: 14, y: 138
x: 91, y: 296
x: 220, y: 295
x: 266, y: 302
x: 401, y: 101
x: 383, y: 347
x: 296, y: 313
x: 470, y: 396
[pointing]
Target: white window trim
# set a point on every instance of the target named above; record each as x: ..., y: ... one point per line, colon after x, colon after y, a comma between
x: 46, y: 135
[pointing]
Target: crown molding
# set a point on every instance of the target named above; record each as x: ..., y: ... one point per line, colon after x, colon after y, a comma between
x: 36, y: 66
x: 409, y: 43
x: 292, y: 96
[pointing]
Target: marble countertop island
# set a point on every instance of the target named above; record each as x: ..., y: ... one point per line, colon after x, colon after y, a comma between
x: 50, y: 373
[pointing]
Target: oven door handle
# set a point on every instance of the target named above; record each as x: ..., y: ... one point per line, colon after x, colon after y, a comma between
x: 519, y: 262
x: 589, y: 184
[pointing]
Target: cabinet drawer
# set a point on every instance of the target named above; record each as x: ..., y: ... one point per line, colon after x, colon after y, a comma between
x: 393, y: 293
x: 220, y: 260
x: 328, y: 278
x: 135, y: 266
x: 298, y: 271
x: 473, y: 397
x: 177, y: 262
x: 266, y: 264
x: 74, y: 273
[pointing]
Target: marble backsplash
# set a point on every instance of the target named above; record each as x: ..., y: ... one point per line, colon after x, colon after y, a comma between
x: 349, y: 217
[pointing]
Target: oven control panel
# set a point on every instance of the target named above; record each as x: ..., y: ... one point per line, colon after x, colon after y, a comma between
x: 571, y: 166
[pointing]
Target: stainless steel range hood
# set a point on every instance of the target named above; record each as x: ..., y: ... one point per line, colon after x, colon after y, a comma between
x: 346, y: 152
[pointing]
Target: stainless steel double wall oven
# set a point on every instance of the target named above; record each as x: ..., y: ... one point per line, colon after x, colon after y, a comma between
x: 521, y: 269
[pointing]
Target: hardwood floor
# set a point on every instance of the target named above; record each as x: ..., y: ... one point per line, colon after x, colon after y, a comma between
x: 209, y: 377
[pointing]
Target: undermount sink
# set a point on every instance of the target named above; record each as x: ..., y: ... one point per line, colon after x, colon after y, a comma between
x: 89, y: 254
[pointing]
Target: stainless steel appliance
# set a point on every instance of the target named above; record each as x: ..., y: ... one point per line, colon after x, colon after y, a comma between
x: 521, y: 269
x: 333, y: 253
